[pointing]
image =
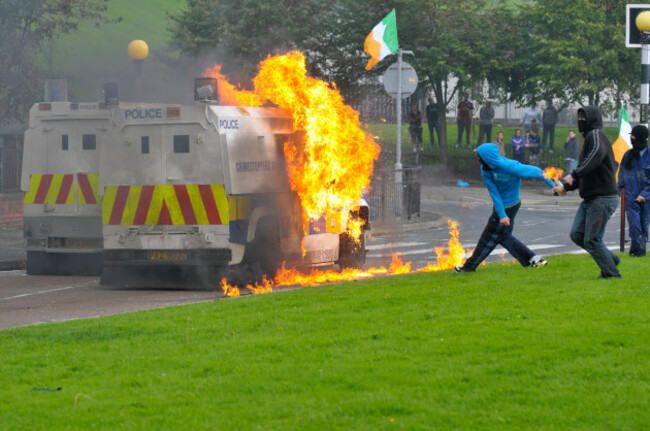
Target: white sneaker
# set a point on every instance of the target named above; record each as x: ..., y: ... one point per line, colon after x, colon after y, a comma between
x: 536, y: 262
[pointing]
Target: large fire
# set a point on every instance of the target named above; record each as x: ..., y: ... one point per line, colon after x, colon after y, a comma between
x: 446, y: 258
x: 333, y: 158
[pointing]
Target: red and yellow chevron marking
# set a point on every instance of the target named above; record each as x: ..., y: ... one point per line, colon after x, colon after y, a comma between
x: 58, y: 189
x: 187, y: 204
x: 87, y: 189
x: 50, y: 189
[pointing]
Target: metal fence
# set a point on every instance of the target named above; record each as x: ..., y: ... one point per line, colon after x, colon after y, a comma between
x: 10, y: 164
x: 391, y: 197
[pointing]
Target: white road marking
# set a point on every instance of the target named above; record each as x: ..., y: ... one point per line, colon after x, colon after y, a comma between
x: 395, y: 245
x: 498, y: 250
x: 37, y: 293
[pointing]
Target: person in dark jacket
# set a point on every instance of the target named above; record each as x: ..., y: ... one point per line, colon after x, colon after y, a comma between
x: 549, y: 119
x: 595, y: 177
x: 634, y: 177
x: 433, y: 121
x: 415, y: 128
x: 572, y: 151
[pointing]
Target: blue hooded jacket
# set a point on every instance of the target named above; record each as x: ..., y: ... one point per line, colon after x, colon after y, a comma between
x: 503, y: 181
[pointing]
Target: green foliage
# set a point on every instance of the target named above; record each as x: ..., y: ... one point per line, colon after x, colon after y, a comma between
x: 579, y: 52
x: 26, y: 27
x: 504, y: 347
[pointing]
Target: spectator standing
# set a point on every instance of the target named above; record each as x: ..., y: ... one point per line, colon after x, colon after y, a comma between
x: 572, y: 151
x: 532, y: 142
x: 433, y: 118
x: 595, y: 178
x: 530, y: 114
x: 415, y: 128
x: 518, y: 143
x: 500, y: 145
x: 549, y: 120
x: 486, y: 116
x: 634, y: 177
x: 464, y: 120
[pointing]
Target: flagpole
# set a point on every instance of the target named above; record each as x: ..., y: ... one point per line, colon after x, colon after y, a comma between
x: 398, y: 163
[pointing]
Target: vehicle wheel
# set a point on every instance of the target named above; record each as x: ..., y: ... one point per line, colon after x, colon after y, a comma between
x: 38, y: 263
x: 265, y: 249
x: 351, y: 254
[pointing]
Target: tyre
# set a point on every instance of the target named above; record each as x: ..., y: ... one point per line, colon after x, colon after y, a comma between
x: 352, y: 255
x: 265, y: 249
x: 38, y: 263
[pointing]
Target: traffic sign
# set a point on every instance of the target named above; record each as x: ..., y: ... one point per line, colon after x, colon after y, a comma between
x: 409, y: 80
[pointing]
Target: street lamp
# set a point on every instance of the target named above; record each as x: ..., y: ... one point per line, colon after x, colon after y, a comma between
x: 138, y: 50
x: 643, y: 24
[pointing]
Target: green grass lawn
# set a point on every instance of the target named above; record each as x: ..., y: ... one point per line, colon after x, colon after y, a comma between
x: 503, y: 348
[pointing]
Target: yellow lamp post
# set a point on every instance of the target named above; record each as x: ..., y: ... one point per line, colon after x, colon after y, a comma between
x: 643, y: 24
x: 138, y: 50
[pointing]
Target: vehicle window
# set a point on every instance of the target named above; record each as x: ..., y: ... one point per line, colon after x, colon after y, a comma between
x: 181, y: 143
x: 89, y: 142
x: 144, y: 144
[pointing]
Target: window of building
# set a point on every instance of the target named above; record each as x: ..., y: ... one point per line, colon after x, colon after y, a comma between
x: 64, y: 142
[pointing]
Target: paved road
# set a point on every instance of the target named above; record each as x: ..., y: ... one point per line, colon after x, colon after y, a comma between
x: 543, y: 224
x: 540, y: 224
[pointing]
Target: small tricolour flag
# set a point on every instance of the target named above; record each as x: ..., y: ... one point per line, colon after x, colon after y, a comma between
x: 382, y: 40
x: 622, y: 143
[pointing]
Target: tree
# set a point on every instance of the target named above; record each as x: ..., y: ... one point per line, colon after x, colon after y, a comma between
x: 26, y: 30
x: 243, y: 32
x: 581, y: 53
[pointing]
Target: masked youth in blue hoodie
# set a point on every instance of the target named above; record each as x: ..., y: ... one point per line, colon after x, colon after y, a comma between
x: 502, y: 177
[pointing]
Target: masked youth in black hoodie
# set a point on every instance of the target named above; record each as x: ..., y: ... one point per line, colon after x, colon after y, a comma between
x: 595, y: 177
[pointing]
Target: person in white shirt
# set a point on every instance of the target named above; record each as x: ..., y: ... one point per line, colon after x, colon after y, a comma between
x: 529, y: 114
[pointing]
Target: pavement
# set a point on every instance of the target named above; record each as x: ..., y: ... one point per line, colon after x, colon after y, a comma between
x: 436, y: 189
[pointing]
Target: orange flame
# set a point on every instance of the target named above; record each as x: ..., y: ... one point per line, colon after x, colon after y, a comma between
x: 228, y: 93
x: 229, y: 289
x: 332, y: 158
x: 456, y: 253
x: 335, y: 158
x: 397, y: 267
x: 552, y: 173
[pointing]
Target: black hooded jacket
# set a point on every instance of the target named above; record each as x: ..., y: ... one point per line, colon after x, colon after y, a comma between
x: 596, y: 171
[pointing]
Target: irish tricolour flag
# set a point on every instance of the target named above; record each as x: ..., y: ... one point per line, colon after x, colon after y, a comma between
x: 622, y: 143
x: 382, y: 40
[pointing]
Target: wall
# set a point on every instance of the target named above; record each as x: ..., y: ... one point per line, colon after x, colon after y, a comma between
x: 11, y: 210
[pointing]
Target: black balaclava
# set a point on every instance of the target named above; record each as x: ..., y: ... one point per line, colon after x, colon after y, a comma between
x: 582, y: 124
x: 639, y: 139
x: 486, y: 167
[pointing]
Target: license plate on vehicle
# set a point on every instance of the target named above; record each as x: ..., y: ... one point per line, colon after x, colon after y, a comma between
x: 166, y: 255
x: 82, y: 243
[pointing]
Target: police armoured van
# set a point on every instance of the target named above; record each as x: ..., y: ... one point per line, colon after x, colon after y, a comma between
x: 191, y: 190
x: 60, y: 176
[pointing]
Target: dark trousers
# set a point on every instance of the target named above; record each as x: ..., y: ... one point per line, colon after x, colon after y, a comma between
x: 588, y: 230
x: 463, y: 125
x: 518, y: 157
x: 495, y: 233
x: 549, y: 129
x: 638, y: 218
x: 484, y: 131
x: 433, y: 126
